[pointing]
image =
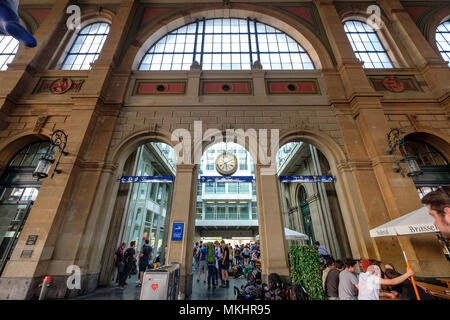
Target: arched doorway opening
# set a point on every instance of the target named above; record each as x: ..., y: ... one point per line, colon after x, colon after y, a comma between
x: 18, y: 191
x: 315, y: 204
x: 226, y: 210
x: 431, y: 154
x: 142, y: 207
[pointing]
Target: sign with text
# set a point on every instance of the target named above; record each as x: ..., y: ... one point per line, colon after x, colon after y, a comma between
x: 212, y: 179
x: 177, y: 231
x: 307, y: 179
x: 146, y: 179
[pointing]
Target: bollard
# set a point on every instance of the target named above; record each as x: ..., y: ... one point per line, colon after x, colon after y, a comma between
x: 48, y: 281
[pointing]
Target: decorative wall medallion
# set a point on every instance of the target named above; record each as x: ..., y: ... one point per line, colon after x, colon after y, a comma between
x: 394, y: 83
x: 61, y: 86
x: 58, y: 85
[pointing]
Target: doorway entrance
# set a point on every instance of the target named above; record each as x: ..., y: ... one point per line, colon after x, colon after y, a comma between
x: 311, y: 208
x: 18, y: 190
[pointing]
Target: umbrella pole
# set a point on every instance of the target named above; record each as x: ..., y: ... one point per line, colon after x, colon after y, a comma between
x: 412, y: 278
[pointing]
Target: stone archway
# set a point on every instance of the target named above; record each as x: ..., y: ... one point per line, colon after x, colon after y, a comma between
x: 106, y: 209
x: 357, y: 230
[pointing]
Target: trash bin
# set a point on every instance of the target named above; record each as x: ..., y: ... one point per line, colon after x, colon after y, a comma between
x: 161, y: 283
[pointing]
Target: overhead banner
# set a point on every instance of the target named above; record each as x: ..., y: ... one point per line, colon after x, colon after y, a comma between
x: 209, y: 179
x: 307, y: 179
x: 146, y: 179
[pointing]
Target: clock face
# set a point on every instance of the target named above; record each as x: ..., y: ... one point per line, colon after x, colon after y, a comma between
x: 226, y: 164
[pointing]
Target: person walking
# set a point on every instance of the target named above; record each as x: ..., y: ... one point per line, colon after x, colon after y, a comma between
x: 237, y: 255
x: 129, y: 259
x: 323, y: 253
x: 332, y: 281
x: 145, y: 257
x: 118, y: 260
x: 246, y: 254
x: 219, y: 262
x: 225, y: 251
x: 203, y: 265
x: 196, y: 253
x: 348, y: 281
x: 211, y: 259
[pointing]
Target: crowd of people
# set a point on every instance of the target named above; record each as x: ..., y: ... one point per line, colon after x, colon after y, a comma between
x: 342, y: 282
x: 214, y: 261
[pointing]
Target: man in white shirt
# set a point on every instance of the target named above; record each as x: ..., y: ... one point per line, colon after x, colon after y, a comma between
x: 369, y: 282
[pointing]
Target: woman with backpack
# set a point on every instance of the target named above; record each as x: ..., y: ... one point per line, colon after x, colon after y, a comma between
x: 211, y: 259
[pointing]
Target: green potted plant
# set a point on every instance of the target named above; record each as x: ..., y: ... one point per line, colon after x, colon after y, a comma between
x: 305, y: 270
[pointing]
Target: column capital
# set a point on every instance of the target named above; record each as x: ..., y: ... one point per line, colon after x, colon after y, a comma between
x: 186, y: 167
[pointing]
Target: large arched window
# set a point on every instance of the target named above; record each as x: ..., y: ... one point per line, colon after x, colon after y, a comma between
x: 443, y: 40
x: 8, y: 49
x: 366, y: 45
x: 86, y: 47
x: 226, y: 44
x: 425, y: 154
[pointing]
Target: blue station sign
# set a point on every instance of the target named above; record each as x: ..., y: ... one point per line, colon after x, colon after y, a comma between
x: 177, y: 231
x: 212, y: 179
x: 146, y: 179
x: 307, y: 179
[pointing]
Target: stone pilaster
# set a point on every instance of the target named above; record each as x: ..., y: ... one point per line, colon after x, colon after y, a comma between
x: 273, y: 244
x: 183, y: 211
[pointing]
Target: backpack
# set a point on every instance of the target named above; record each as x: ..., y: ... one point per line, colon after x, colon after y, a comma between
x: 251, y: 279
x: 128, y: 257
x: 211, y: 253
x: 297, y: 292
x: 276, y: 288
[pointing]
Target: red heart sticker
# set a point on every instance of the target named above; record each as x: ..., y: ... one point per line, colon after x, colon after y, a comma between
x: 154, y: 286
x: 149, y: 279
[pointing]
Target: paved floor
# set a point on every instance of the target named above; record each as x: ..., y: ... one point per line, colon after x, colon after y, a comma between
x: 199, y: 291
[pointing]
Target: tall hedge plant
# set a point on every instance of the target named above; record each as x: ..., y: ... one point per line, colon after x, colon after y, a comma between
x: 305, y: 270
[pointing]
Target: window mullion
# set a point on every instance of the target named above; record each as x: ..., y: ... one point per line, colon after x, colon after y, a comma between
x: 203, y: 43
x: 195, y: 40
x: 249, y: 44
x: 257, y: 42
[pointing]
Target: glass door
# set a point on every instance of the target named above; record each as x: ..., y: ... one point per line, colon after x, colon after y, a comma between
x: 12, y: 220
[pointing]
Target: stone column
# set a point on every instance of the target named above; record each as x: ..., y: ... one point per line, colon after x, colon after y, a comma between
x: 271, y: 228
x: 183, y: 211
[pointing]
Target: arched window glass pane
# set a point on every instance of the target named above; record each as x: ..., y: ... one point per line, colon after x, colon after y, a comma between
x: 425, y: 154
x: 226, y: 44
x: 366, y: 45
x: 87, y: 47
x: 443, y: 40
x: 29, y: 156
x: 8, y: 49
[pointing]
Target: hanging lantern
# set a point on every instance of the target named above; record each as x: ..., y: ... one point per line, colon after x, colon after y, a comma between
x: 42, y: 168
x: 412, y: 168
